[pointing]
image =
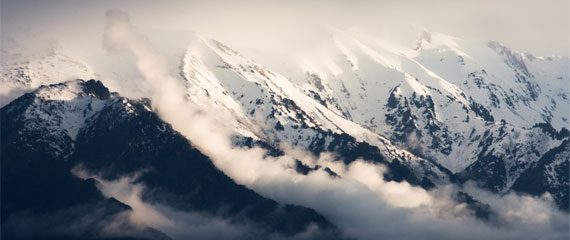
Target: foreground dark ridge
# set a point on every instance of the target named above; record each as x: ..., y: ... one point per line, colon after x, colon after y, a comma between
x: 48, y: 132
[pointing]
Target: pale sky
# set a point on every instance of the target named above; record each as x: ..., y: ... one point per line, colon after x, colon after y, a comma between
x: 538, y: 27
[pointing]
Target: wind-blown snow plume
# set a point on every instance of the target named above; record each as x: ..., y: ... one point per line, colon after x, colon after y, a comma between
x: 360, y: 202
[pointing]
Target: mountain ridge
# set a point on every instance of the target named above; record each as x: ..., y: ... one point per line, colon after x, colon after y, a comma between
x: 420, y: 112
x: 117, y: 137
x: 448, y: 109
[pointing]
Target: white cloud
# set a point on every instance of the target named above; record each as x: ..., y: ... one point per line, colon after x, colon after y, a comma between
x: 360, y: 203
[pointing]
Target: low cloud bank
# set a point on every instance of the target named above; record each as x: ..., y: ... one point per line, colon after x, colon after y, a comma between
x: 175, y: 224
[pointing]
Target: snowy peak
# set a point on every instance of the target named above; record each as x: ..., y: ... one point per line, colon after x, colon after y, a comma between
x: 54, y: 115
x: 74, y: 89
x: 505, y: 81
x: 23, y: 71
x: 466, y: 105
x: 67, y: 105
x: 265, y: 105
x: 438, y: 42
x: 514, y: 56
x: 243, y: 86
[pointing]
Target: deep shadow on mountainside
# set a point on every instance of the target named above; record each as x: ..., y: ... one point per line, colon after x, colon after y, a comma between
x: 41, y: 198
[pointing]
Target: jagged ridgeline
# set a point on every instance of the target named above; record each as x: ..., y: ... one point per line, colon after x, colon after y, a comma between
x: 448, y: 111
x: 48, y: 132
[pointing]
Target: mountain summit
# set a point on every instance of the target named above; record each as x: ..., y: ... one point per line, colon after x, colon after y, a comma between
x: 442, y: 115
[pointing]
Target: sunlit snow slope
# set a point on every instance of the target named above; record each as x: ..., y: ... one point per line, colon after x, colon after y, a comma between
x: 484, y: 111
x: 447, y: 109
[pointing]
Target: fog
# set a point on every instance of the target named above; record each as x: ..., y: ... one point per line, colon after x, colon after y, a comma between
x: 256, y: 26
x: 272, y: 32
x: 176, y: 224
x: 360, y: 203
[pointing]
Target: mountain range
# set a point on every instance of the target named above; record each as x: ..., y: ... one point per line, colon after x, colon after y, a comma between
x: 445, y: 111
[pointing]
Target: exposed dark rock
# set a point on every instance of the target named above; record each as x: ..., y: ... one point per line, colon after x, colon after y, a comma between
x: 124, y: 138
x: 481, y: 210
x: 537, y: 179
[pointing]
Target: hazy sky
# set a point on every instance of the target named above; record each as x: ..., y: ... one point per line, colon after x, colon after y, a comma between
x: 537, y: 27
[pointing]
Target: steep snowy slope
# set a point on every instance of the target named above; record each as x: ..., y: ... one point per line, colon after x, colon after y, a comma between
x: 518, y: 87
x: 266, y: 106
x: 360, y: 80
x: 474, y: 107
x: 458, y: 102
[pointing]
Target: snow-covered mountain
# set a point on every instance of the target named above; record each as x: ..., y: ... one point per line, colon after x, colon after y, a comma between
x: 450, y: 87
x: 268, y: 107
x: 485, y: 112
x: 457, y: 102
x: 51, y: 131
x: 24, y: 69
x: 442, y: 110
